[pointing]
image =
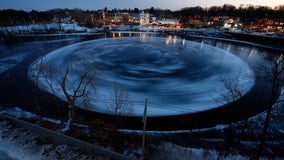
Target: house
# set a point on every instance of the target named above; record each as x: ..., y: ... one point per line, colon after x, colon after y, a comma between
x: 144, y: 18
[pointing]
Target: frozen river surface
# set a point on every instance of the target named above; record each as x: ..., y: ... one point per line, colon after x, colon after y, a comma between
x: 176, y: 75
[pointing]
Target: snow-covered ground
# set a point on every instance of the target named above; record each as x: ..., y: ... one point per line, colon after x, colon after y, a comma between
x: 22, y: 144
x: 169, y: 151
x: 18, y: 143
x: 44, y: 27
x: 63, y: 27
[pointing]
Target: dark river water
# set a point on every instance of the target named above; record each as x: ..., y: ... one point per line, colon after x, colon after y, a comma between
x: 180, y: 77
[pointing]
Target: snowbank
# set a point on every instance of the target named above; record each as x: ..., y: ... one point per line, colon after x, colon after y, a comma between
x: 21, y: 144
x: 44, y: 27
x: 169, y: 151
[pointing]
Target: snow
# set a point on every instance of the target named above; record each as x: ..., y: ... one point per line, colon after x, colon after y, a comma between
x: 169, y: 21
x: 64, y: 27
x: 19, y: 113
x: 21, y: 144
x: 150, y: 70
x: 237, y: 41
x: 44, y: 27
x: 16, y: 143
x: 169, y: 151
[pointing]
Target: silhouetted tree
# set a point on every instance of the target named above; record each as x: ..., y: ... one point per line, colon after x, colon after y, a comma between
x: 233, y: 90
x: 136, y: 10
x: 152, y: 10
x: 72, y: 82
x: 44, y: 71
x: 273, y: 72
x: 214, y: 10
x: 78, y: 15
x: 119, y: 103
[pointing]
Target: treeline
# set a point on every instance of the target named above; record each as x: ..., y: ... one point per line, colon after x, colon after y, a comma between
x: 18, y: 17
x: 246, y: 15
x: 91, y: 18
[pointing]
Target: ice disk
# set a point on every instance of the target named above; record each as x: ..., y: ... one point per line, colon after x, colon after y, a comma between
x: 176, y: 75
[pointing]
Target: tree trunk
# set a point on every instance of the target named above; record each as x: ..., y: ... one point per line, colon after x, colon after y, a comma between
x: 264, y: 133
x: 268, y: 116
x: 70, y: 119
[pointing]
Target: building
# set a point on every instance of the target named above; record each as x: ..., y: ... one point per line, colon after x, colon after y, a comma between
x: 144, y: 18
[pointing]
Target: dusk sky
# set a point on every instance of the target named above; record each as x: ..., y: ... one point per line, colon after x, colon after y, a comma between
x: 43, y: 5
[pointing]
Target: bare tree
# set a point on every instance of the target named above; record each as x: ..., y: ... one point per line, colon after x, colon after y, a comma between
x: 74, y: 83
x: 119, y: 102
x: 232, y: 91
x: 36, y: 78
x: 45, y: 71
x: 232, y: 88
x: 77, y: 88
x: 273, y: 73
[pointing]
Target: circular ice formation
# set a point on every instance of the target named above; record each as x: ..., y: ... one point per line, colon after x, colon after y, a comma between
x: 176, y: 75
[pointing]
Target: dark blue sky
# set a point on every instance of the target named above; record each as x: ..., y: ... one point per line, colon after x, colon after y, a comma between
x: 43, y: 5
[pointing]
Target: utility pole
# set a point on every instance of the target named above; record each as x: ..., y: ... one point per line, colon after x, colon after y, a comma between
x: 144, y: 129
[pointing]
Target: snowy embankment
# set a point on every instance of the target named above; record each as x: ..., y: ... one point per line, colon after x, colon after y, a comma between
x: 35, y: 136
x: 63, y: 27
x: 31, y: 28
x: 170, y: 151
x: 22, y: 144
x: 166, y: 151
x: 19, y: 143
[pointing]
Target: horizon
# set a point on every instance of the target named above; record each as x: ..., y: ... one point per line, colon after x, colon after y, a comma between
x: 29, y: 5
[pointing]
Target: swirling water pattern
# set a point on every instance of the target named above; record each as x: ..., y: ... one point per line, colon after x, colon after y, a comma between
x: 178, y: 76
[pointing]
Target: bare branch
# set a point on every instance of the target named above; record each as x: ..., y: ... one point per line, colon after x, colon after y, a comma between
x: 120, y: 102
